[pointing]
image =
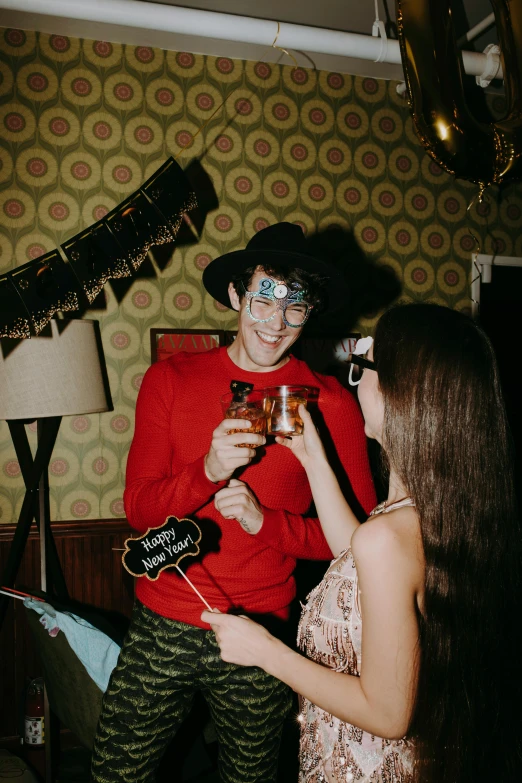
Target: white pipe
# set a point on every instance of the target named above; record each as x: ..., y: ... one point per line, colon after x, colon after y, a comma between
x: 227, y: 27
x: 484, y: 260
x: 477, y: 30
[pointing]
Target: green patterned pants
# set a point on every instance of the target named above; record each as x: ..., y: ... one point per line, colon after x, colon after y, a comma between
x: 161, y: 666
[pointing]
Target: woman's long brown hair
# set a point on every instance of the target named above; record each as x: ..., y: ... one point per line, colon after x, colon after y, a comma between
x: 446, y: 436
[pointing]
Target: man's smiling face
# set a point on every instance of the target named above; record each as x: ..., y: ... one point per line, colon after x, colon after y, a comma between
x: 260, y: 347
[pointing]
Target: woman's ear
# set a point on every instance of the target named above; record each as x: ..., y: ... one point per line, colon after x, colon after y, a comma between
x: 234, y: 298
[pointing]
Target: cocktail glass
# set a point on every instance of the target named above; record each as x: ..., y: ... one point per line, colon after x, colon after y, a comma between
x: 282, y: 409
x: 251, y: 407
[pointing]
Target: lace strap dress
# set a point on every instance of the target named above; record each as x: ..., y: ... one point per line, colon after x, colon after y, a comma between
x: 330, y: 633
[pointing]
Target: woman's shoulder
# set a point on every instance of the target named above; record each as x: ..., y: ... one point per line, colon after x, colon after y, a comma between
x: 394, y: 528
x: 395, y: 538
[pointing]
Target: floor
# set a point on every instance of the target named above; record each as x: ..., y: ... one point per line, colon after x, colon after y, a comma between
x: 198, y: 764
x: 75, y: 762
x: 191, y: 757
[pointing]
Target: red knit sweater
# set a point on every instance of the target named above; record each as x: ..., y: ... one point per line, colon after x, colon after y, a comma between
x: 177, y: 410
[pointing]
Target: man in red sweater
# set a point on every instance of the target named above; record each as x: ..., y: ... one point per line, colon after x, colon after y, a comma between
x: 250, y: 502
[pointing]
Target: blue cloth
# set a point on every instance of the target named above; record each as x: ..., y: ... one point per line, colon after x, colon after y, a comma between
x: 94, y: 649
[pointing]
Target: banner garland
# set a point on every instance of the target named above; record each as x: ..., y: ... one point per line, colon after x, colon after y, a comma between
x: 113, y: 247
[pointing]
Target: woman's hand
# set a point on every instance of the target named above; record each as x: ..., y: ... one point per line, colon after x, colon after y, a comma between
x: 241, y: 640
x: 307, y: 447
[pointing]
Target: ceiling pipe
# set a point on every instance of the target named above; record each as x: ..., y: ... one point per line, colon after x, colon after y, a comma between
x: 227, y: 27
x: 475, y: 31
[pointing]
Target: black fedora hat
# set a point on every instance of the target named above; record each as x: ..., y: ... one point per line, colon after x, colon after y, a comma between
x: 282, y: 245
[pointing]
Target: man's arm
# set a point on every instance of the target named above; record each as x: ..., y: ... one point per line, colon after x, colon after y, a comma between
x: 293, y: 534
x: 152, y: 493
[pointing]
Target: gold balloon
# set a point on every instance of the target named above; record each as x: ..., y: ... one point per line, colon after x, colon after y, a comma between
x: 482, y: 152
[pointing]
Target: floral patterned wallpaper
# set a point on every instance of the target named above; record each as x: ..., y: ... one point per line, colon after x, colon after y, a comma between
x: 83, y: 123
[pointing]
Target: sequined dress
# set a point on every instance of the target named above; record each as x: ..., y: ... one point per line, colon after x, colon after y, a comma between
x: 330, y: 633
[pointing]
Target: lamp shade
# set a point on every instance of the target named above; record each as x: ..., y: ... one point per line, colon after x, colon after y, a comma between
x: 59, y: 373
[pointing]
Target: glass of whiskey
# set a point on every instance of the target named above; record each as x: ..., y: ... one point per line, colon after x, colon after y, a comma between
x: 282, y: 409
x: 251, y: 407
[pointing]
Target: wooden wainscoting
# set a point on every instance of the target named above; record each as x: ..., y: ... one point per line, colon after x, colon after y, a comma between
x: 94, y: 575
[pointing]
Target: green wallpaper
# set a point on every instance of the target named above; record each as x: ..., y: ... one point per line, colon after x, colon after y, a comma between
x: 83, y: 123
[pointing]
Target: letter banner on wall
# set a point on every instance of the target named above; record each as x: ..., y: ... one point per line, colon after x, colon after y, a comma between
x: 111, y: 248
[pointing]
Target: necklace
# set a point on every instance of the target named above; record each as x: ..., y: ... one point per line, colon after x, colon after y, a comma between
x: 384, y: 508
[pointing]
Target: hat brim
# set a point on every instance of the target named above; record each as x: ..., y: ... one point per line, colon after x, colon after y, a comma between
x: 219, y: 273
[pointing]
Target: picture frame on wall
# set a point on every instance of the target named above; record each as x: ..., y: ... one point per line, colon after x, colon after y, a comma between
x: 230, y: 336
x: 326, y: 355
x: 166, y: 342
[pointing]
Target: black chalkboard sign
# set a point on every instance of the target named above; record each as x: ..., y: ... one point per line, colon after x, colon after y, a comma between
x: 161, y: 547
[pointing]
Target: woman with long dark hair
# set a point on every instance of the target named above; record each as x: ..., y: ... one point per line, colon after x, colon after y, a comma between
x: 412, y: 672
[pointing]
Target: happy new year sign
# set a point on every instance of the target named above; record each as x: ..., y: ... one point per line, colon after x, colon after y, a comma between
x: 161, y: 547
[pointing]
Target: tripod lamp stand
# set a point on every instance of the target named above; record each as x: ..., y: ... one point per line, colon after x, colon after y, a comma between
x: 59, y: 373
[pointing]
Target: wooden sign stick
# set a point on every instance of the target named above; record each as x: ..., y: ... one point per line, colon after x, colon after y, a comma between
x: 195, y: 589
